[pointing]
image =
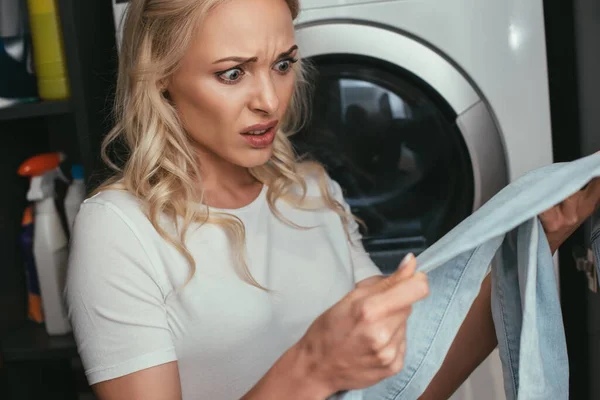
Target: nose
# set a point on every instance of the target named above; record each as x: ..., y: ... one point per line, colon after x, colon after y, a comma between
x: 265, y: 99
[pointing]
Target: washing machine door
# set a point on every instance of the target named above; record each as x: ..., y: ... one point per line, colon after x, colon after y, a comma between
x: 404, y: 133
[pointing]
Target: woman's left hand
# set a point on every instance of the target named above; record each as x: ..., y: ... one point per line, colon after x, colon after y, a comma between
x: 563, y: 219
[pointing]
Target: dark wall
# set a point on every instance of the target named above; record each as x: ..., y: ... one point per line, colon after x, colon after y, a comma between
x: 587, y: 45
x: 573, y: 46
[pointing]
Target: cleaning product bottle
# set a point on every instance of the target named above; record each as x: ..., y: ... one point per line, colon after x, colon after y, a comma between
x: 34, y: 298
x: 75, y: 194
x: 50, y: 245
x: 17, y: 78
x: 48, y: 51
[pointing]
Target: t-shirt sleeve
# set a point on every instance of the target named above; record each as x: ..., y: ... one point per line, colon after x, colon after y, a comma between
x: 115, y: 302
x: 362, y: 264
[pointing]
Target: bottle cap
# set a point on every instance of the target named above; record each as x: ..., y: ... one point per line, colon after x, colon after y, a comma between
x: 77, y: 171
x: 38, y: 165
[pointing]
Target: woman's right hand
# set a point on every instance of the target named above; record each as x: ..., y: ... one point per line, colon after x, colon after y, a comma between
x: 362, y: 339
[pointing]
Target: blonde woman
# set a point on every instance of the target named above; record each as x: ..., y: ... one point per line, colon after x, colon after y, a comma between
x: 215, y: 265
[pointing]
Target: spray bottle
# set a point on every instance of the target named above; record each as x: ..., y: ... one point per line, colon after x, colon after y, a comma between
x: 75, y: 195
x: 50, y: 244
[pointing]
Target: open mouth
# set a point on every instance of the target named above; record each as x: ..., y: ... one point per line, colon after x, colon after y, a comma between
x: 259, y: 136
x: 260, y: 139
x: 256, y: 133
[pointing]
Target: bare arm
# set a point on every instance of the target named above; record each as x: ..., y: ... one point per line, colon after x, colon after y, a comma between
x: 156, y: 383
x: 287, y: 379
x: 369, y: 281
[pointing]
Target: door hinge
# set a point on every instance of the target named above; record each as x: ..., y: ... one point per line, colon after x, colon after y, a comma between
x: 584, y: 261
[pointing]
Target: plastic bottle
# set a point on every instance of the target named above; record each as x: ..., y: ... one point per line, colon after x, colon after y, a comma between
x: 48, y: 51
x: 50, y: 245
x: 34, y: 298
x: 75, y: 194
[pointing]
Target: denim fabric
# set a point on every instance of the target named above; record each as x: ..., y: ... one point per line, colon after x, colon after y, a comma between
x: 505, y: 234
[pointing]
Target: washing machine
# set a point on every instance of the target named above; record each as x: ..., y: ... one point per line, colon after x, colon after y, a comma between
x: 422, y: 111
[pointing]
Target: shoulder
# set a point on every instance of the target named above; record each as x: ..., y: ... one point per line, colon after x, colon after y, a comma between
x: 113, y: 208
x: 119, y: 202
x: 112, y: 219
x: 115, y: 213
x: 112, y: 237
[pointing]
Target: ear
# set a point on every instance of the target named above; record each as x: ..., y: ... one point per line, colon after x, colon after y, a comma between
x: 163, y: 87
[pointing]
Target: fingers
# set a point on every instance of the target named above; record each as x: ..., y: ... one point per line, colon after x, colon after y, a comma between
x: 551, y: 219
x: 574, y: 209
x: 407, y: 267
x: 393, y: 295
x: 564, y: 215
x: 407, y: 292
x: 581, y: 205
x: 592, y: 193
x: 386, y: 355
x: 570, y: 208
x: 393, y: 298
x: 402, y: 346
x: 405, y: 270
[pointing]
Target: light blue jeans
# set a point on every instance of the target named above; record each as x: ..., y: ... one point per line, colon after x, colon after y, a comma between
x: 506, y: 234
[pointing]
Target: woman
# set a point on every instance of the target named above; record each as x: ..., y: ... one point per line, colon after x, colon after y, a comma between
x: 214, y: 264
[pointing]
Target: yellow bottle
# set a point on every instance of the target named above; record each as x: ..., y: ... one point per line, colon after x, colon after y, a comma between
x: 48, y: 50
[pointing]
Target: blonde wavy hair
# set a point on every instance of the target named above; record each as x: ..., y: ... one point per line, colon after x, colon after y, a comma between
x: 160, y: 167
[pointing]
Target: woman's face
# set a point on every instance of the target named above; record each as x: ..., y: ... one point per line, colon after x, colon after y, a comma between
x: 237, y: 74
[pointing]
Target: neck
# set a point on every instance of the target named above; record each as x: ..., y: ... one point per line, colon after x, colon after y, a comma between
x: 217, y: 173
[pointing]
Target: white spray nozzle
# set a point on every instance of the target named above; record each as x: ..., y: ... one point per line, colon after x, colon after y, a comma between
x: 42, y: 187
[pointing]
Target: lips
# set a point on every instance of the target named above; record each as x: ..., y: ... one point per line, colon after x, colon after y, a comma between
x: 261, y: 135
x: 259, y: 128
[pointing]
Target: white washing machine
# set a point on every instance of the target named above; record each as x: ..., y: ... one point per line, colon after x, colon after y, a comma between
x: 423, y: 110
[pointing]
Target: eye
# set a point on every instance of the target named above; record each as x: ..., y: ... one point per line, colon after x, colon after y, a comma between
x: 284, y: 66
x: 231, y: 75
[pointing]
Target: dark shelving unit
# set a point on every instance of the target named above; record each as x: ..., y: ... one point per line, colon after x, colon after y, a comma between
x: 31, y: 343
x: 33, y: 110
x: 34, y: 365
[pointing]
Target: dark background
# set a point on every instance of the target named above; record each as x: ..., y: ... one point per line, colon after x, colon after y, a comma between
x: 573, y: 43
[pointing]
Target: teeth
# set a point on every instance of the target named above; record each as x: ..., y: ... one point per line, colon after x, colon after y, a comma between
x: 256, y: 132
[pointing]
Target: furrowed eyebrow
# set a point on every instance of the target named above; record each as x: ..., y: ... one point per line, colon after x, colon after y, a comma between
x: 287, y: 53
x: 243, y: 60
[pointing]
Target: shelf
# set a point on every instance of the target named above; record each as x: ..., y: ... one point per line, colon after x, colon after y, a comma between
x: 31, y: 342
x: 30, y: 110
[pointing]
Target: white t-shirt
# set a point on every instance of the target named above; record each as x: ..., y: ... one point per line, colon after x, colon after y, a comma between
x: 225, y: 334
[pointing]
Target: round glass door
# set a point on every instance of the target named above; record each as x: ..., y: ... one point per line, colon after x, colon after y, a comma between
x: 393, y: 145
